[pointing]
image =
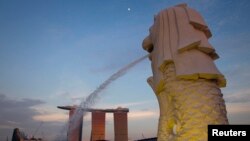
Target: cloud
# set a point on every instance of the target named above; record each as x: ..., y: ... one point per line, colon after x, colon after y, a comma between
x: 240, y: 96
x: 24, y: 103
x: 27, y: 114
x: 143, y: 114
x: 237, y: 108
x: 237, y: 104
x: 48, y: 115
x: 17, y: 113
x: 238, y: 113
x: 129, y: 104
x: 6, y: 127
x: 56, y: 117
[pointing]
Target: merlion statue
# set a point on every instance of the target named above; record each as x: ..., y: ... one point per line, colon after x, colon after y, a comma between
x: 185, y: 78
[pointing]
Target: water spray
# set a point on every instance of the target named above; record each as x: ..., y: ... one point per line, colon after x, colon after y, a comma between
x: 92, y: 97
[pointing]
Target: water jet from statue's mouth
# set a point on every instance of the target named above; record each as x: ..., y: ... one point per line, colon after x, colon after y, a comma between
x: 92, y: 97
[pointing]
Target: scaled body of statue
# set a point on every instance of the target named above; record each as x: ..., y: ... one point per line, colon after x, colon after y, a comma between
x: 185, y: 79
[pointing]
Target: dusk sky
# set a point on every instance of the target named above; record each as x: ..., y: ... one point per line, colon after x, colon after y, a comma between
x: 56, y: 52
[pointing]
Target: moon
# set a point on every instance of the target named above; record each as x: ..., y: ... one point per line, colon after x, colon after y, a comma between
x: 129, y: 9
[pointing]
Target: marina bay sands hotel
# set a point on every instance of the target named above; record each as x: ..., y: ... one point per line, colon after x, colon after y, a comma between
x: 98, y: 124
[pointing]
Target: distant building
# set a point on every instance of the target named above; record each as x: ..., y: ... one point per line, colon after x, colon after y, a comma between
x: 17, y: 135
x: 98, y: 124
x: 21, y: 136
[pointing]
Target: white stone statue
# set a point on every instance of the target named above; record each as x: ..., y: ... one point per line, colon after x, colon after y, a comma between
x: 185, y: 78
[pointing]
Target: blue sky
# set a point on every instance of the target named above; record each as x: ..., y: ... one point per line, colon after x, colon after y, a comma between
x: 57, y: 52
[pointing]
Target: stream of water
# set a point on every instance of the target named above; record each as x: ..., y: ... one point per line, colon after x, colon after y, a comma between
x: 92, y: 98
